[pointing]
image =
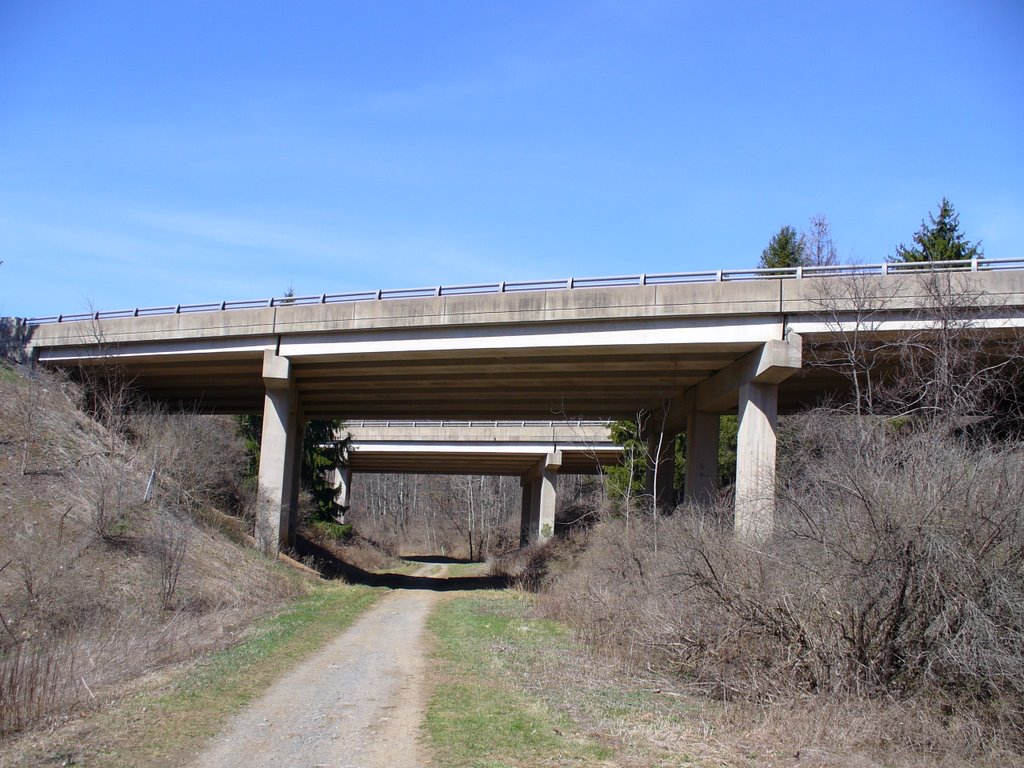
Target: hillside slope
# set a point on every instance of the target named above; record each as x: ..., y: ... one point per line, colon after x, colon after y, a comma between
x: 111, y: 561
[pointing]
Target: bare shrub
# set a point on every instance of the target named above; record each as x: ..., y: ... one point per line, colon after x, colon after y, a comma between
x: 353, y: 549
x: 32, y: 683
x: 533, y: 567
x: 170, y: 541
x: 14, y: 335
x: 895, y: 574
x: 198, y: 460
x: 458, y: 515
x: 112, y: 494
x: 79, y: 619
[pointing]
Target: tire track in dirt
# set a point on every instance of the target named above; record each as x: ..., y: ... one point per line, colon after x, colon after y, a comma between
x: 356, y: 703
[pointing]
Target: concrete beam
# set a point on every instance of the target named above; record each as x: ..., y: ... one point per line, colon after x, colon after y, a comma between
x: 277, y: 371
x: 773, y: 362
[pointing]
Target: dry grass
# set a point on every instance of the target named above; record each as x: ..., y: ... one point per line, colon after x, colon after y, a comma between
x: 354, y: 550
x: 885, y: 617
x: 99, y: 584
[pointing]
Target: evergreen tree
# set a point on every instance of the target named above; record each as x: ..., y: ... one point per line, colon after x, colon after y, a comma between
x: 786, y: 249
x: 940, y: 239
x: 626, y: 480
x: 322, y: 453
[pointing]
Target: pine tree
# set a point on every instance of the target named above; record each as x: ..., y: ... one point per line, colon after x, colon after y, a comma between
x: 322, y: 453
x: 786, y: 249
x: 940, y: 239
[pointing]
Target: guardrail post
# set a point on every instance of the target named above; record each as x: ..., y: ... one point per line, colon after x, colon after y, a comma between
x: 136, y: 312
x: 569, y: 283
x: 718, y: 276
x: 501, y: 287
x: 974, y: 264
x: 437, y: 291
x: 380, y: 294
x: 885, y: 268
x: 643, y: 280
x: 799, y: 273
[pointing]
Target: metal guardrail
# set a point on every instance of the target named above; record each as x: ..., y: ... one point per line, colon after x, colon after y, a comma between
x: 572, y: 283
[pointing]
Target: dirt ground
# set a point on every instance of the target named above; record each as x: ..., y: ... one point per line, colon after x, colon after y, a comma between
x: 357, y: 703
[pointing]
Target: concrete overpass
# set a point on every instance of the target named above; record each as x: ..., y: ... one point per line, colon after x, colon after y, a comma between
x: 675, y: 350
x: 535, y: 451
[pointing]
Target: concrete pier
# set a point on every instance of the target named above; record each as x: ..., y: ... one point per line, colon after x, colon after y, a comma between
x: 709, y: 348
x: 280, y: 454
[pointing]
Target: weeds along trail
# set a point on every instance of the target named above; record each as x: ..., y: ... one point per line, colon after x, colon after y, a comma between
x: 104, y: 574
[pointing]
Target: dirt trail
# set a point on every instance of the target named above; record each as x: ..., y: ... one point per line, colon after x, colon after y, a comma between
x: 357, y: 703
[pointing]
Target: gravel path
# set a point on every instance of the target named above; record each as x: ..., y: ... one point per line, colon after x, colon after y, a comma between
x: 357, y: 703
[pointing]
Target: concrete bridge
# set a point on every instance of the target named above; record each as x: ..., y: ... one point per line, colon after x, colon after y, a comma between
x: 535, y: 451
x: 675, y: 351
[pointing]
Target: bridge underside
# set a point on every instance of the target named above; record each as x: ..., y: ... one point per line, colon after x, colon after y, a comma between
x: 671, y: 356
x: 537, y: 464
x: 506, y: 385
x: 510, y: 460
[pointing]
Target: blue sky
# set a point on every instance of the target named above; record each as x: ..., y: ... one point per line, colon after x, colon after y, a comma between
x: 157, y: 153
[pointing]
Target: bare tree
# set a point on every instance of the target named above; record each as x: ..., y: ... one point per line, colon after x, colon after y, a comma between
x: 819, y: 247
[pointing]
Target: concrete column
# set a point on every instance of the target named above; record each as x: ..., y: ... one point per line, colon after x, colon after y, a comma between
x: 298, y: 429
x: 278, y: 475
x: 343, y: 489
x: 540, y: 488
x: 527, y: 504
x: 755, y: 460
x: 659, y: 484
x: 547, y: 498
x: 702, y: 430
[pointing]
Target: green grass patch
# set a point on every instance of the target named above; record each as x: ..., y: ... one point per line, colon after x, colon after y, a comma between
x: 477, y: 717
x: 402, y: 567
x: 170, y: 726
x: 515, y: 690
x: 331, y: 530
x: 468, y: 570
x: 8, y: 373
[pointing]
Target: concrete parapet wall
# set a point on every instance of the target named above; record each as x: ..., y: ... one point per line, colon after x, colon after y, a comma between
x: 810, y: 296
x: 587, y: 434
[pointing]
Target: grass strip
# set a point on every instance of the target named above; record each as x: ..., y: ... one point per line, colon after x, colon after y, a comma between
x: 467, y: 570
x: 168, y: 727
x: 7, y: 373
x: 477, y: 717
